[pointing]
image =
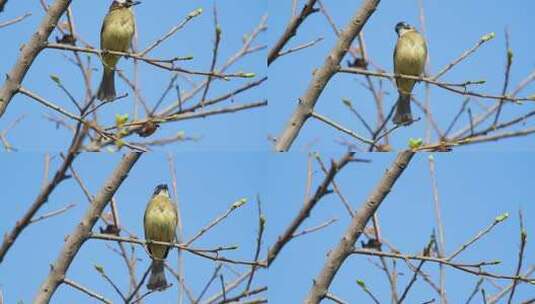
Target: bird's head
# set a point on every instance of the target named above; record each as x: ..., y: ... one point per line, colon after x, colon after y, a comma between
x: 403, y: 27
x: 161, y: 189
x: 124, y: 3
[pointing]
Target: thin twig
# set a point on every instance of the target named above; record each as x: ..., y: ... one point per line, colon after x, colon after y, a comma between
x: 15, y: 20
x: 291, y: 30
x: 309, y: 204
x: 322, y: 76
x: 86, y: 291
x: 339, y: 127
x: 523, y: 239
x: 344, y: 248
x: 53, y: 213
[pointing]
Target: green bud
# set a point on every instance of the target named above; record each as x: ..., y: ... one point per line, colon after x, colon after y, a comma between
x: 99, y: 268
x: 119, y: 143
x: 120, y: 120
x: 510, y: 54
x: 239, y: 203
x: 122, y: 133
x: 181, y: 135
x: 501, y: 217
x: 361, y: 284
x: 347, y: 102
x: 248, y: 75
x: 195, y: 13
x: 488, y: 36
x: 415, y: 143
x: 56, y: 79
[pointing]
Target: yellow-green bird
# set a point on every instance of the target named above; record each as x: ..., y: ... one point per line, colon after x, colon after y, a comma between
x: 160, y: 223
x: 410, y: 56
x: 116, y: 35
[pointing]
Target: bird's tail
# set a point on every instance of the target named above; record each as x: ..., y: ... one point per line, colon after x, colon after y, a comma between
x: 403, y: 114
x: 106, y: 90
x: 157, y: 279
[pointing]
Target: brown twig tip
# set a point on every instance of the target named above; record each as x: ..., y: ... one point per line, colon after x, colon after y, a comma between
x: 310, y: 203
x: 291, y: 30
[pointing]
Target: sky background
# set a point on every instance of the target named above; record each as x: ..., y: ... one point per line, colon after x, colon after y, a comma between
x: 474, y: 188
x: 452, y: 27
x: 245, y: 130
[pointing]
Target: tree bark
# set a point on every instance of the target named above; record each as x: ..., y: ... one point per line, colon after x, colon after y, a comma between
x: 30, y: 51
x: 323, y: 75
x: 75, y: 241
x: 345, y: 247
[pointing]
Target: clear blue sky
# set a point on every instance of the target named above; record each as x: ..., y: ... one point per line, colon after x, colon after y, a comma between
x: 452, y: 27
x: 245, y: 130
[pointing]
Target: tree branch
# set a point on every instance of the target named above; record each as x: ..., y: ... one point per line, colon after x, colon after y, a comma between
x: 345, y: 247
x: 291, y: 30
x: 42, y: 197
x: 76, y: 239
x: 30, y: 51
x: 322, y: 190
x: 324, y: 74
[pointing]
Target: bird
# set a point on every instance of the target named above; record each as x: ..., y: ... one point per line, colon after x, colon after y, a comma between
x: 410, y: 56
x: 116, y: 34
x: 160, y: 222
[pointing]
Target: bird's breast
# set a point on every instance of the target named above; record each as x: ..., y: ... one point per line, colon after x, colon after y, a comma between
x: 411, y: 54
x: 118, y: 32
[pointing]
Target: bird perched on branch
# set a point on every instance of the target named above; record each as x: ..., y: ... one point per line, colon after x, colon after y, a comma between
x: 116, y: 34
x: 160, y: 222
x: 410, y: 56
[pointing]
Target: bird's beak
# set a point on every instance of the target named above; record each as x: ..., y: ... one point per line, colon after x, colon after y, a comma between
x: 135, y: 3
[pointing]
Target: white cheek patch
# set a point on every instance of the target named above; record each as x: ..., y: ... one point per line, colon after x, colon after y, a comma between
x: 120, y: 1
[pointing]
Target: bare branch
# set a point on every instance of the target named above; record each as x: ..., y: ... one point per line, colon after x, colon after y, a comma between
x: 76, y: 239
x: 322, y: 190
x: 291, y: 30
x: 523, y: 240
x: 30, y: 51
x: 53, y: 213
x: 323, y: 75
x: 86, y: 291
x: 42, y: 198
x: 13, y: 21
x: 345, y: 247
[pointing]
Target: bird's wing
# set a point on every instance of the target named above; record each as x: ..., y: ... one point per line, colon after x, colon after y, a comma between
x: 103, y: 28
x: 144, y: 227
